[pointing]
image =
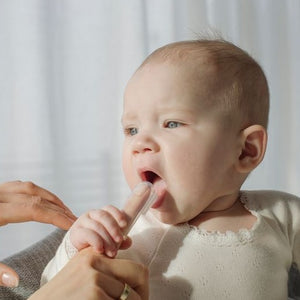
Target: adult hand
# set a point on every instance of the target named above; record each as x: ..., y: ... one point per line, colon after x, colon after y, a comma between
x: 25, y: 201
x: 92, y: 276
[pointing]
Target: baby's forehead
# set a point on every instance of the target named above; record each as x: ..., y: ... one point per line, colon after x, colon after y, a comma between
x: 192, y: 85
x: 196, y: 67
x: 191, y: 61
x: 184, y: 54
x: 215, y: 57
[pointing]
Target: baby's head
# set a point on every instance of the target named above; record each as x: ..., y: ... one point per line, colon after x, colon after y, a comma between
x: 224, y: 76
x: 195, y: 114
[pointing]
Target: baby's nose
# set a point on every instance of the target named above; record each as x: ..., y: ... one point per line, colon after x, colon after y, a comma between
x: 145, y: 143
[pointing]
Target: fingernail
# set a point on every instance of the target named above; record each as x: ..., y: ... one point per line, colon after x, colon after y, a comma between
x: 10, y: 280
x: 141, y: 188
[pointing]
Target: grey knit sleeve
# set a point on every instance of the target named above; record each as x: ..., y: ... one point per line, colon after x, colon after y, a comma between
x: 29, y: 264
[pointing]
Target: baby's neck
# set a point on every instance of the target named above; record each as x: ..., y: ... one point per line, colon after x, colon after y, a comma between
x: 233, y: 218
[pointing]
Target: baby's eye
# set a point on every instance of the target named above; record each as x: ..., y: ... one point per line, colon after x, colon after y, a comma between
x: 131, y: 131
x: 172, y: 124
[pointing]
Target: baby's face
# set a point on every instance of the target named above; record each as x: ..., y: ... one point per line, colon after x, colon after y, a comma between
x: 176, y: 140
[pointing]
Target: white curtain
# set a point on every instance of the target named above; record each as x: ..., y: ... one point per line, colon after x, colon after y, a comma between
x: 63, y: 68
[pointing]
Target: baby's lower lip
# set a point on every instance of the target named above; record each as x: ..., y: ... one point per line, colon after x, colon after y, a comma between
x: 158, y: 202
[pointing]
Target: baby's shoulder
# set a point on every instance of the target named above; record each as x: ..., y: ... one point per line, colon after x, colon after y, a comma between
x: 270, y: 202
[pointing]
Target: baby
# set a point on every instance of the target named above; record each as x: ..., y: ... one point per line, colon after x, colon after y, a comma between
x: 195, y: 118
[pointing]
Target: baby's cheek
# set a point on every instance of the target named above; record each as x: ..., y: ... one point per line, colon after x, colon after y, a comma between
x: 125, y: 164
x: 129, y: 174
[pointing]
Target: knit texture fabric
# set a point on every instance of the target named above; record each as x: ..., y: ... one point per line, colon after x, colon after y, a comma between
x: 29, y: 264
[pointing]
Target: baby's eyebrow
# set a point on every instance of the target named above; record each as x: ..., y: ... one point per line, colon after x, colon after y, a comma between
x: 177, y: 111
x: 126, y: 116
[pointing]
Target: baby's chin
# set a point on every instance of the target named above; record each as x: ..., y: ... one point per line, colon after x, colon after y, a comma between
x: 168, y: 217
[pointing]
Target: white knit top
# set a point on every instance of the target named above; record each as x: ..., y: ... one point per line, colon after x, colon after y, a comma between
x: 188, y: 263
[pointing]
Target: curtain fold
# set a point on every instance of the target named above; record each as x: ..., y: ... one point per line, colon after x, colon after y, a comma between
x: 63, y: 68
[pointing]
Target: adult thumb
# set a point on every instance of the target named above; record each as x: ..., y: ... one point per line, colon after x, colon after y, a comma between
x: 8, y: 277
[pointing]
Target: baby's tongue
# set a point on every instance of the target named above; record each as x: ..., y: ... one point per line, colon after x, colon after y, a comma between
x: 159, y: 186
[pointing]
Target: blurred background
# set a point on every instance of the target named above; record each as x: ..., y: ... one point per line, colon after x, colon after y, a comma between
x: 63, y: 68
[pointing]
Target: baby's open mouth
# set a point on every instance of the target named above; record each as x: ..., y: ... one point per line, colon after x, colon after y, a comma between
x: 150, y: 176
x: 159, y: 185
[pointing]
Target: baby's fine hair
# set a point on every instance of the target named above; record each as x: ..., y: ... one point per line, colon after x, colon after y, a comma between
x: 240, y: 86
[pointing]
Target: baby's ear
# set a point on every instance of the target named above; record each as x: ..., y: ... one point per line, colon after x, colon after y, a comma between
x: 252, y: 149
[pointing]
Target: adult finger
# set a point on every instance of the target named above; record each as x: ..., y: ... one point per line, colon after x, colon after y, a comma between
x: 8, y: 277
x: 130, y: 272
x: 29, y: 188
x: 114, y: 288
x: 135, y: 203
x: 23, y: 208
